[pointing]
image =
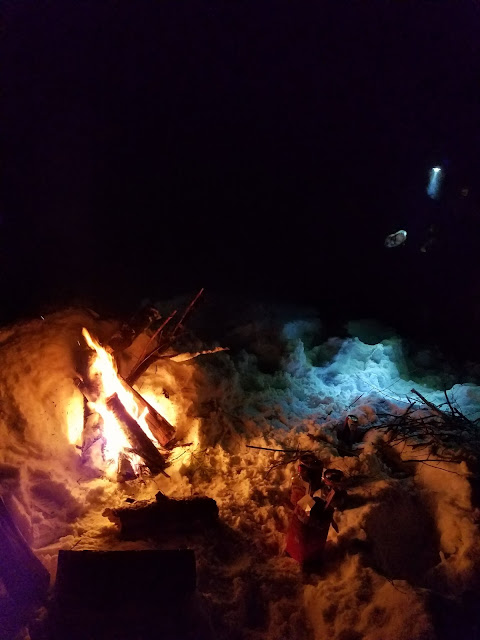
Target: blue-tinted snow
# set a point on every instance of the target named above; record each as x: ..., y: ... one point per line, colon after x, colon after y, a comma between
x: 343, y: 375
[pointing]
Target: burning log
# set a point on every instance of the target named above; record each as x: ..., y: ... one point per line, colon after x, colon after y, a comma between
x: 23, y: 575
x: 164, y: 515
x: 163, y: 431
x: 129, y: 424
x: 140, y: 442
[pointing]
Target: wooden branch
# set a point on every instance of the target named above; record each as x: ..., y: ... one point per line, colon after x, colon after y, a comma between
x: 185, y: 357
x: 141, y: 443
x: 251, y: 446
x: 427, y: 464
x: 187, y: 310
x: 430, y: 405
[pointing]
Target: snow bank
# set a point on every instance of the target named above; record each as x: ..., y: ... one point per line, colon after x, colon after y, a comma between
x: 401, y: 538
x: 41, y: 412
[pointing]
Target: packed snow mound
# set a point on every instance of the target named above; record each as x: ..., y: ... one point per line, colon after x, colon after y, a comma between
x: 404, y: 540
x: 321, y: 383
x: 41, y: 410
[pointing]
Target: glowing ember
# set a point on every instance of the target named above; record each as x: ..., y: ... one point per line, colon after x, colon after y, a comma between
x: 103, y: 370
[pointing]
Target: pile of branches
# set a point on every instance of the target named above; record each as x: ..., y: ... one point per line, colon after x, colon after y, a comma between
x: 135, y: 346
x: 164, y: 332
x: 438, y: 433
x: 149, y: 337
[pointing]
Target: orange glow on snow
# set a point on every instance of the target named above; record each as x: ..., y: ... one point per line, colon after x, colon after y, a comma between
x: 75, y: 419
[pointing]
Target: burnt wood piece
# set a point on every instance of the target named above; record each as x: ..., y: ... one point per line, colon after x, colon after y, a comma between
x: 435, y: 410
x: 165, y: 515
x: 22, y: 573
x: 163, y: 431
x: 140, y: 442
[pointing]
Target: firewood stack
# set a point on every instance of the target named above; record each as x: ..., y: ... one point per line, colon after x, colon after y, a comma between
x: 140, y: 443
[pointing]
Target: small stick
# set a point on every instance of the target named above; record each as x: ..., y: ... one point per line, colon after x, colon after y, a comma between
x: 430, y: 405
x: 251, y: 446
x: 187, y: 310
x: 449, y: 404
x: 161, y: 427
x: 350, y: 405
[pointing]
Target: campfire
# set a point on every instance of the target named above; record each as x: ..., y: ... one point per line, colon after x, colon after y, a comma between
x: 123, y: 432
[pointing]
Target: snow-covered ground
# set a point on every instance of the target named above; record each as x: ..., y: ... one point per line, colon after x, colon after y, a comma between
x: 407, y: 549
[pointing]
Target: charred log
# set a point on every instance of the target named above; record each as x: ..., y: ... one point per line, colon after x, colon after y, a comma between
x: 164, y: 515
x: 140, y: 442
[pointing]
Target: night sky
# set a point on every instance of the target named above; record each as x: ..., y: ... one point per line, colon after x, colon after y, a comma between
x: 254, y: 148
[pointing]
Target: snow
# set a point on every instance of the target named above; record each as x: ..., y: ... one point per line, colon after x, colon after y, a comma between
x: 402, y: 540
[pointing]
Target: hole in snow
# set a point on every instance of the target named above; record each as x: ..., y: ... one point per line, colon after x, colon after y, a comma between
x: 402, y: 534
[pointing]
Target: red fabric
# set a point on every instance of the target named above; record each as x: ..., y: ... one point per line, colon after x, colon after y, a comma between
x: 306, y: 542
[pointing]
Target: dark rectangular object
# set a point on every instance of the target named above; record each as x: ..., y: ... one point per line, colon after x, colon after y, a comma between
x: 112, y: 579
x: 22, y: 573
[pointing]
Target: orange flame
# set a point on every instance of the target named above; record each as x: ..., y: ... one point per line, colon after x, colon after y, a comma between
x: 103, y: 368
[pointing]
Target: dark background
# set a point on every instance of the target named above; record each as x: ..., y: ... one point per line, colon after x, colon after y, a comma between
x: 254, y: 148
